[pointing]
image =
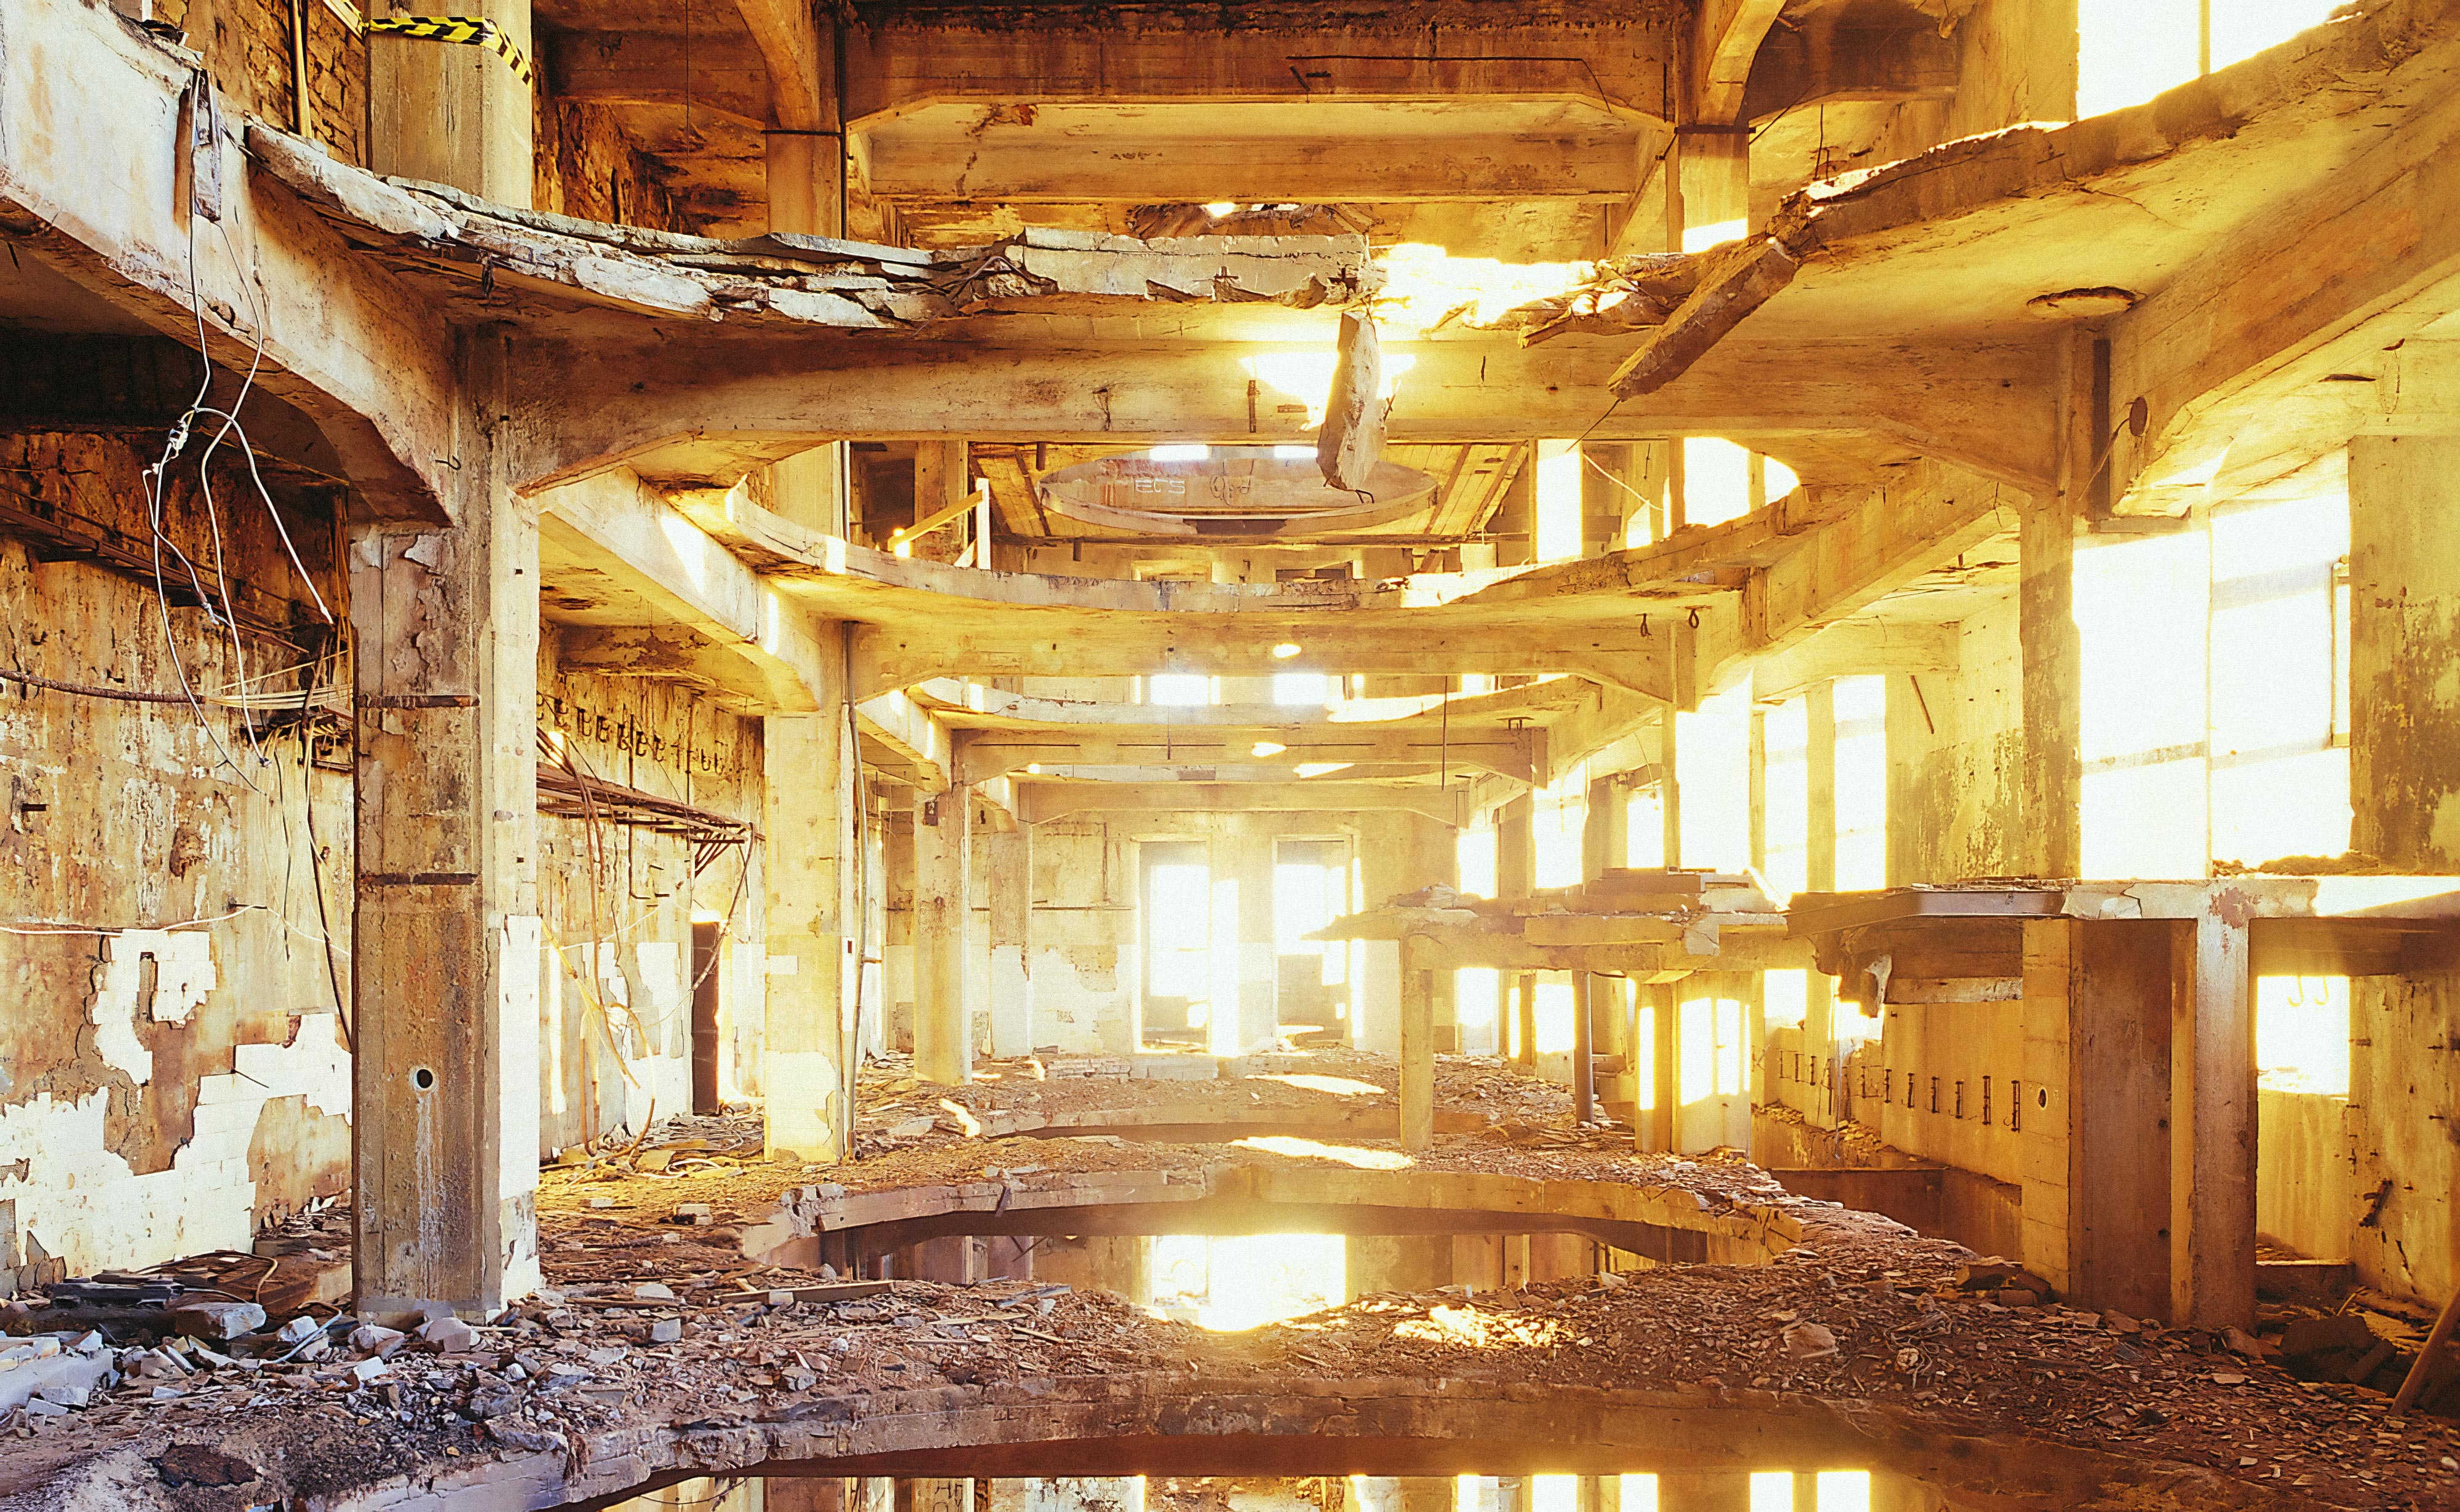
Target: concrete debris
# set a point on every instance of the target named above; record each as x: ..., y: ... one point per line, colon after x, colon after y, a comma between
x: 449, y: 1335
x: 1809, y: 1341
x: 217, y: 1320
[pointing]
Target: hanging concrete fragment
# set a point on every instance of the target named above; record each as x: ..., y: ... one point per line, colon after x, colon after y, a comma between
x: 1353, y: 437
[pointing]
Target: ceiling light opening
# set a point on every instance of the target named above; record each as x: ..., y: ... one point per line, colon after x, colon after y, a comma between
x: 1286, y: 650
x: 1267, y: 749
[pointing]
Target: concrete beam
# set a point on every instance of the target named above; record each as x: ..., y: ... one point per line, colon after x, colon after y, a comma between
x: 897, y: 65
x: 1726, y: 38
x: 1040, y: 802
x: 801, y: 60
x: 906, y: 737
x: 987, y: 753
x: 616, y: 552
x: 1024, y: 168
x: 1856, y: 648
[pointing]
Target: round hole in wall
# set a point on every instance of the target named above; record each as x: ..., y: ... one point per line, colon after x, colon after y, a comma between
x: 422, y: 1078
x: 2043, y: 1094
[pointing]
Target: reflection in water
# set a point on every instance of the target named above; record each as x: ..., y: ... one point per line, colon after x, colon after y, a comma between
x: 1687, y: 1491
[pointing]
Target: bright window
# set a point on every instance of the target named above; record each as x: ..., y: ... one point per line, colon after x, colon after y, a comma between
x: 1180, y: 688
x: 1716, y: 480
x: 1784, y: 739
x: 1861, y: 782
x: 1305, y: 688
x: 1559, y: 500
x: 1712, y: 755
x: 2302, y: 1034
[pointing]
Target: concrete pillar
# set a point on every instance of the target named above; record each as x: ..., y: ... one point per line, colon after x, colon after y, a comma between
x: 1704, y: 1491
x: 2405, y: 634
x: 1115, y: 1263
x: 446, y: 935
x: 454, y: 115
x: 812, y: 867
x: 807, y: 182
x: 895, y: 905
x: 1657, y: 1131
x: 807, y: 196
x: 1417, y: 1051
x: 935, y: 1495
x: 941, y: 471
x: 2212, y: 1132
x: 806, y: 1494
x: 1010, y: 882
x: 2091, y: 1109
x: 1515, y: 876
x: 1250, y: 856
x: 943, y: 1047
x: 1397, y: 1262
x: 2049, y: 645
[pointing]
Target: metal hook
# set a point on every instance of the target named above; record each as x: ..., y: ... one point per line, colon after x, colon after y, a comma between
x: 1644, y: 627
x: 1694, y: 621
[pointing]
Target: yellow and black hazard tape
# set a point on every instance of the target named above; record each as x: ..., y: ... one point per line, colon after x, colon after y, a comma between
x: 474, y: 30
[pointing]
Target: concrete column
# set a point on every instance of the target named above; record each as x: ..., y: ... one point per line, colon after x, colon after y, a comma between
x: 1397, y: 1262
x: 1704, y: 1491
x: 813, y: 865
x: 1417, y: 1054
x: 1515, y: 876
x: 939, y: 479
x: 1248, y: 850
x: 807, y: 182
x: 1657, y: 1131
x: 895, y: 905
x: 2092, y: 1110
x: 2405, y: 634
x: 454, y: 115
x: 943, y: 1047
x: 2051, y: 648
x: 806, y: 1494
x: 445, y: 934
x: 2211, y: 1133
x: 807, y: 196
x: 1011, y: 881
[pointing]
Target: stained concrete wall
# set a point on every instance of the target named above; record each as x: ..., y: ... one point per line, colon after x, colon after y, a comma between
x: 160, y: 1091
x: 1956, y: 757
x: 619, y: 902
x: 2405, y: 1108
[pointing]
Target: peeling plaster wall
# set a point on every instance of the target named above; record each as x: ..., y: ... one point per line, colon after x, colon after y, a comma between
x: 155, y: 1107
x: 1084, y: 933
x: 1955, y: 745
x: 615, y: 1007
